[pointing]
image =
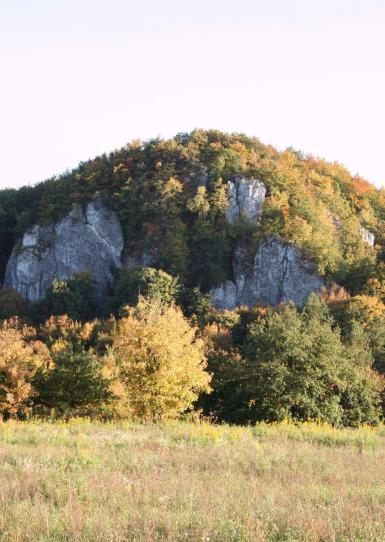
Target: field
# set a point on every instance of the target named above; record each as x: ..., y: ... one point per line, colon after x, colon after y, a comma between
x: 85, y: 481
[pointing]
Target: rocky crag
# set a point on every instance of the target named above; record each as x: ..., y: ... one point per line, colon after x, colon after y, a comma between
x: 278, y: 273
x: 245, y: 198
x: 86, y: 240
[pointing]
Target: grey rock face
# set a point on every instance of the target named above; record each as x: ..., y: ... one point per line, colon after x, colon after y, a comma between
x: 334, y: 218
x: 90, y: 240
x: 245, y: 198
x: 367, y: 236
x: 225, y: 297
x: 278, y: 273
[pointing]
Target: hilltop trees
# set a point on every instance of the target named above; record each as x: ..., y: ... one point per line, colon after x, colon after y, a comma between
x: 171, y: 196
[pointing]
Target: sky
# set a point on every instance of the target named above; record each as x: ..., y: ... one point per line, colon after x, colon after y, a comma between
x: 83, y: 77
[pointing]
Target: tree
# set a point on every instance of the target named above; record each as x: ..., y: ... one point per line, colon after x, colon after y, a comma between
x: 19, y: 361
x: 74, y: 385
x: 199, y: 204
x: 146, y: 282
x: 74, y: 297
x: 61, y: 333
x: 299, y: 368
x: 160, y: 360
x: 293, y: 374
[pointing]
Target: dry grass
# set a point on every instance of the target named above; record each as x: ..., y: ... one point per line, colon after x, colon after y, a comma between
x: 85, y: 481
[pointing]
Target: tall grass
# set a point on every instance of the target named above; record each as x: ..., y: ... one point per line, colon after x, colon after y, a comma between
x: 84, y: 481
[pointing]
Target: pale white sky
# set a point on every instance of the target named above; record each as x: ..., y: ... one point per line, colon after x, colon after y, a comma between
x: 82, y: 77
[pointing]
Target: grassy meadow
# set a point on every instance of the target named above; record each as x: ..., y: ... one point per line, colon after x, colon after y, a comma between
x: 117, y: 482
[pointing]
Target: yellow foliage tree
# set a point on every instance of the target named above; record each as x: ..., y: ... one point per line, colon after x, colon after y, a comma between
x: 19, y: 361
x: 159, y: 360
x: 366, y: 308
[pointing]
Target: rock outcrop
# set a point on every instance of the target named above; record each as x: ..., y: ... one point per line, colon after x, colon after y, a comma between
x: 86, y: 240
x: 278, y: 273
x: 245, y: 198
x: 367, y: 236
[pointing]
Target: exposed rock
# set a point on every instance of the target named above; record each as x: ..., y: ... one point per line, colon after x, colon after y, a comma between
x: 335, y: 219
x: 90, y: 240
x: 245, y: 198
x: 225, y: 297
x: 278, y: 273
x: 367, y: 236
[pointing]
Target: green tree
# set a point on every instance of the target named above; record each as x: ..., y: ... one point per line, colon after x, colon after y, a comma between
x: 144, y: 282
x: 74, y: 385
x: 293, y: 374
x: 74, y: 297
x: 299, y: 368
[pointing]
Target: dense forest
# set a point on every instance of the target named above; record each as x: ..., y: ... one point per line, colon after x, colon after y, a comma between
x: 157, y: 349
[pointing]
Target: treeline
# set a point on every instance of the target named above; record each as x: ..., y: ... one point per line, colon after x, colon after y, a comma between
x: 154, y: 360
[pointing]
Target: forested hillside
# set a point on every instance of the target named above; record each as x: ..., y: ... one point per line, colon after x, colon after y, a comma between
x: 322, y: 360
x: 171, y: 194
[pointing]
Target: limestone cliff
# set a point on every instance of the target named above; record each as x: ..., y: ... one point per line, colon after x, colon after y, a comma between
x: 91, y: 240
x: 245, y: 198
x: 278, y: 273
x: 86, y: 240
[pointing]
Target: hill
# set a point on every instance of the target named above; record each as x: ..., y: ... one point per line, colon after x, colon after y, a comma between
x: 142, y: 281
x: 170, y: 197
